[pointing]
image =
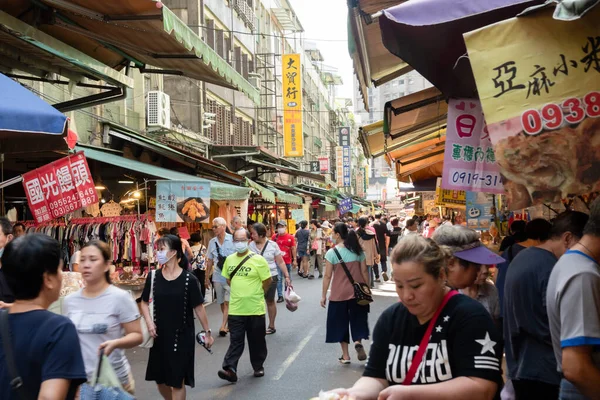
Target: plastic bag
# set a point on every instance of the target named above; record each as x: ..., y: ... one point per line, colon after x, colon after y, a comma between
x: 105, y: 384
x: 289, y: 296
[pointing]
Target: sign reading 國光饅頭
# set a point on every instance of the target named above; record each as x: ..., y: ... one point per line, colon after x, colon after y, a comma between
x: 469, y: 161
x: 538, y: 80
x: 293, y: 140
x: 59, y: 188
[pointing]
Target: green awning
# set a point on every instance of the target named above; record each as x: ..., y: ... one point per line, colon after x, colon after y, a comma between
x: 147, y: 32
x: 355, y: 209
x: 262, y: 191
x: 218, y: 190
x: 283, y: 197
x: 52, y: 55
x: 328, y: 206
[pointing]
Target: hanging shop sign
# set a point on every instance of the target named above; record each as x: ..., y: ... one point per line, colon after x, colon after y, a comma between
x: 344, y: 136
x: 469, y: 161
x: 429, y: 206
x: 182, y: 201
x: 323, y: 165
x: 59, y: 188
x: 314, y: 167
x: 360, y: 183
x: 298, y: 215
x: 539, y: 84
x: 345, y: 206
x: 292, y: 106
x: 347, y: 172
x: 479, y: 210
x: 449, y: 198
x: 339, y: 165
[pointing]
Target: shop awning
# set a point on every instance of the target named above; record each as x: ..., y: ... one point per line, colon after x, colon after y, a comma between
x: 419, y: 161
x: 373, y: 63
x: 286, y: 170
x: 262, y: 191
x: 27, y: 49
x: 23, y: 112
x: 283, y: 197
x: 355, y: 209
x: 418, y: 116
x: 427, y: 34
x: 207, y: 168
x: 145, y: 32
x: 328, y: 206
x: 219, y: 190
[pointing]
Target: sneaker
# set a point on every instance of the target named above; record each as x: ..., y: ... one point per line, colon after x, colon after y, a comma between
x: 259, y: 373
x: 280, y: 299
x: 228, y: 375
x: 385, y: 276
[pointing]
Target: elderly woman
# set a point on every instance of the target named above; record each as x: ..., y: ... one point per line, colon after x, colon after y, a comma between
x: 468, y: 255
x: 484, y: 291
x: 459, y: 350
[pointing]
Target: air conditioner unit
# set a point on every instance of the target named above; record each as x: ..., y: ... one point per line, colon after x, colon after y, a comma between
x: 158, y: 110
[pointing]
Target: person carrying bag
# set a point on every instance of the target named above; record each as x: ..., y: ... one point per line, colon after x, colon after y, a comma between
x: 105, y: 384
x: 362, y: 292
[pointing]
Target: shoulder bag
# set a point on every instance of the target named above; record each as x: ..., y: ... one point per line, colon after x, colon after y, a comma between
x: 105, y: 384
x: 362, y: 292
x: 265, y: 247
x: 240, y: 265
x: 16, y: 382
x: 416, y: 361
x: 148, y: 340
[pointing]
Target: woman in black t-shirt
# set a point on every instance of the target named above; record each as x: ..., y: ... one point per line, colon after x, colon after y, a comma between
x: 462, y: 359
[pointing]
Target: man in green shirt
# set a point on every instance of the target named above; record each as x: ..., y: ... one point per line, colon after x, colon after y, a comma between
x: 249, y: 277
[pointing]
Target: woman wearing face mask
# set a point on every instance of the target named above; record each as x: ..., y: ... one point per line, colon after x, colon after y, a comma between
x: 176, y: 297
x: 105, y: 316
x: 343, y: 309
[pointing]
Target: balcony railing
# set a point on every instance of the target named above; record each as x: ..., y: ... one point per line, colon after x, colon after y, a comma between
x: 245, y: 12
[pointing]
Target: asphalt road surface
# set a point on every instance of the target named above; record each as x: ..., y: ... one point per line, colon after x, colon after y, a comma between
x: 298, y: 366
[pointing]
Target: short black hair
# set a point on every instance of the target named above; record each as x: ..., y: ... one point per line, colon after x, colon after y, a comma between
x: 22, y: 225
x: 538, y: 229
x: 518, y: 226
x: 303, y: 224
x: 593, y: 225
x: 174, y: 231
x: 196, y: 237
x: 569, y: 221
x: 260, y: 229
x: 410, y: 223
x: 378, y: 215
x: 26, y: 259
x: 6, y: 226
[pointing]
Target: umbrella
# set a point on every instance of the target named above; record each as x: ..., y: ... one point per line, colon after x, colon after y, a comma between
x: 21, y: 112
x: 427, y: 34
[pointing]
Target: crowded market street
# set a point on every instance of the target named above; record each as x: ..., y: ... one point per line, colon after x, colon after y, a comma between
x: 298, y: 366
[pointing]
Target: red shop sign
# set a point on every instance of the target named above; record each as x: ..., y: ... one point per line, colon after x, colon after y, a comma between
x: 59, y: 188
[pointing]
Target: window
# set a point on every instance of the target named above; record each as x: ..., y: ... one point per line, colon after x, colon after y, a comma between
x: 210, y: 33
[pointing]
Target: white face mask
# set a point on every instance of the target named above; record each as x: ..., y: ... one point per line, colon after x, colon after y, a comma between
x: 281, y: 231
x: 161, y: 257
x: 240, y: 247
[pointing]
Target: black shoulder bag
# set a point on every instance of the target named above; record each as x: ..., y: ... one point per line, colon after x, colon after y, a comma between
x: 221, y: 258
x: 239, y: 266
x: 16, y: 382
x: 264, y: 248
x: 362, y: 292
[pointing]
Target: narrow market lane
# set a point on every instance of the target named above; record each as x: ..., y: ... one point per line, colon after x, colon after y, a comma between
x: 299, y: 364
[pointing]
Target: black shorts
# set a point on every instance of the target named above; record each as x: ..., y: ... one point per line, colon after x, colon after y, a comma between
x: 270, y: 294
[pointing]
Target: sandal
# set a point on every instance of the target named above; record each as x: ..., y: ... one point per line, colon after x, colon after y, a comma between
x: 342, y: 360
x: 271, y: 331
x: 360, y: 352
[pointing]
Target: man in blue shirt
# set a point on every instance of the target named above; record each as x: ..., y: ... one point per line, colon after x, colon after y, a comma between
x: 529, y: 354
x: 219, y: 248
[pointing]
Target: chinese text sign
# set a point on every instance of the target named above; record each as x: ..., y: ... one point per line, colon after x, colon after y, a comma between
x: 339, y: 165
x: 324, y: 165
x: 292, y: 106
x: 183, y: 201
x: 345, y: 206
x: 449, y: 198
x: 539, y: 84
x: 479, y: 210
x: 469, y: 161
x: 59, y: 188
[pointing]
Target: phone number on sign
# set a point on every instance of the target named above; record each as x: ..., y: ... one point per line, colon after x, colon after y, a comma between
x: 470, y: 178
x: 61, y: 207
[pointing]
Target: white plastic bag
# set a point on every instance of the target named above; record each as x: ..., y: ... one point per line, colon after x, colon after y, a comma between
x: 288, y: 296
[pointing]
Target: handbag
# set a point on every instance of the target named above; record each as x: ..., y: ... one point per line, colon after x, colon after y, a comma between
x: 315, y: 244
x: 105, y: 384
x: 148, y: 340
x: 416, y: 361
x: 362, y: 292
x: 16, y: 382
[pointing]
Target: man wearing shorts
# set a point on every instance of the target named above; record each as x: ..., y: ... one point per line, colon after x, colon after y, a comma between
x: 302, y: 238
x: 219, y: 248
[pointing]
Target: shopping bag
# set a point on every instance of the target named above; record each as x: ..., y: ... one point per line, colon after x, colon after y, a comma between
x: 105, y: 384
x: 148, y: 340
x: 291, y: 299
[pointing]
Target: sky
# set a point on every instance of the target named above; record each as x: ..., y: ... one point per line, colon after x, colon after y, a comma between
x: 328, y: 29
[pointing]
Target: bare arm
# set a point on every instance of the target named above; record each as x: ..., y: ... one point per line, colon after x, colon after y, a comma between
x: 54, y: 389
x: 326, y: 282
x: 579, y: 369
x: 75, y: 267
x: 209, y: 271
x: 203, y: 318
x: 133, y: 337
x: 266, y: 284
x: 366, y: 388
x: 149, y: 321
x: 462, y: 387
x: 294, y: 254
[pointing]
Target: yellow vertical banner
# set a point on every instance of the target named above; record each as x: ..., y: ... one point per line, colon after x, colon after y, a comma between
x: 293, y: 140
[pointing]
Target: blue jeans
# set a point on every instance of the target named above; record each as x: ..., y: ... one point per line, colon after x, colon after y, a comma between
x: 281, y: 279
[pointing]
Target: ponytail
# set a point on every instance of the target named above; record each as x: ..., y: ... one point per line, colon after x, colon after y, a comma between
x: 349, y: 237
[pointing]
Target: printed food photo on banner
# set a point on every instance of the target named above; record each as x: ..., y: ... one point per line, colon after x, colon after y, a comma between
x: 541, y: 102
x: 183, y: 201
